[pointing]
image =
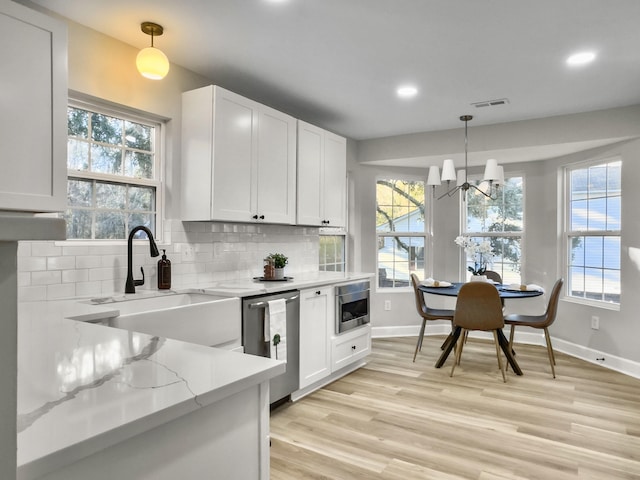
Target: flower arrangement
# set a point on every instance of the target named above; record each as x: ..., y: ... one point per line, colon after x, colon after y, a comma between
x: 480, y: 253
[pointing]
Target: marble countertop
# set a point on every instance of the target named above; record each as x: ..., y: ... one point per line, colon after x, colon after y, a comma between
x: 83, y: 387
x: 297, y: 281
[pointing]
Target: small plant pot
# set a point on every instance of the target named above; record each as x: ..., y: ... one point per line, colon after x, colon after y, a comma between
x: 476, y: 278
x: 278, y: 273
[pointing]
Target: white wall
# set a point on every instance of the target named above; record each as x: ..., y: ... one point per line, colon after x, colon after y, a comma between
x: 619, y: 330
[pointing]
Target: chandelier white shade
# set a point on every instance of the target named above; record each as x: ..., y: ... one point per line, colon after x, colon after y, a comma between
x: 151, y: 62
x: 493, y: 173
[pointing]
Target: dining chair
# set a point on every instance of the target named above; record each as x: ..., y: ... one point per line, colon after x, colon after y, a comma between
x: 478, y: 308
x: 492, y: 275
x: 427, y: 314
x: 539, y: 321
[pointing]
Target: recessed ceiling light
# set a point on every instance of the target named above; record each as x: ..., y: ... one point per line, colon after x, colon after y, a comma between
x: 581, y: 58
x: 407, y: 91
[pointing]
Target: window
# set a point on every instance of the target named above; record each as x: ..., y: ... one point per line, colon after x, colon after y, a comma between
x: 113, y: 173
x: 501, y: 221
x: 332, y: 252
x: 401, y: 231
x: 593, y: 229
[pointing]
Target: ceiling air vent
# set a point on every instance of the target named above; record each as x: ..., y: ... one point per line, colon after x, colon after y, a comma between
x: 491, y: 103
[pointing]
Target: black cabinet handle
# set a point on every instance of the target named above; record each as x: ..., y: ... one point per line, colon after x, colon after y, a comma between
x: 255, y: 217
x: 353, y: 347
x: 317, y: 292
x: 261, y: 217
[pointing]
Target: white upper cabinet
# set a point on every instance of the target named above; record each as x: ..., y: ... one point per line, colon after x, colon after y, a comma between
x: 322, y: 177
x: 33, y: 102
x: 238, y: 159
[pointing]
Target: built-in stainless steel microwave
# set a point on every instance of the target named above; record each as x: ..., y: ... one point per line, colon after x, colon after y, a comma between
x: 352, y: 305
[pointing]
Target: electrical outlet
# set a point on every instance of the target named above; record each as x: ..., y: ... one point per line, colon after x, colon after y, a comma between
x: 595, y: 322
x: 387, y: 305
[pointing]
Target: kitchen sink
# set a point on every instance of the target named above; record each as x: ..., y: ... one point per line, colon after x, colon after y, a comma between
x: 194, y: 317
x: 144, y: 302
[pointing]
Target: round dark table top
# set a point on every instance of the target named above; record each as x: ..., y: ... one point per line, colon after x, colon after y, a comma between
x: 503, y: 290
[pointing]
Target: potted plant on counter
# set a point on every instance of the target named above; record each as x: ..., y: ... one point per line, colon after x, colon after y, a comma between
x: 278, y: 260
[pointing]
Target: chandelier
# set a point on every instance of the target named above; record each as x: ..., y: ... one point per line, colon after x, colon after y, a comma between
x: 493, y: 174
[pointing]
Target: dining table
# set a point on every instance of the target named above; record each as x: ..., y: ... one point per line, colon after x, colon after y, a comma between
x: 504, y: 291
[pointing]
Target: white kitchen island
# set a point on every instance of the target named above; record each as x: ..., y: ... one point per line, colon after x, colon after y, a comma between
x: 102, y: 403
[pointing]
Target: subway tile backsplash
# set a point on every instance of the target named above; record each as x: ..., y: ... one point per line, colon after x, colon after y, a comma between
x: 200, y: 252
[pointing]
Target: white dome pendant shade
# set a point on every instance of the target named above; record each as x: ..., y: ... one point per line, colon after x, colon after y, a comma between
x: 152, y: 63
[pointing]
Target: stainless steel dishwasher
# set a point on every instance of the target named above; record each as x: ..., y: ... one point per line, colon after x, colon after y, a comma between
x: 253, y: 317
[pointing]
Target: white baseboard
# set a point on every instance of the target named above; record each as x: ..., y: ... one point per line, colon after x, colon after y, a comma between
x: 534, y: 337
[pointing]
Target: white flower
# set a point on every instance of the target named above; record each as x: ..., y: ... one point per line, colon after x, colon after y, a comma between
x: 478, y: 252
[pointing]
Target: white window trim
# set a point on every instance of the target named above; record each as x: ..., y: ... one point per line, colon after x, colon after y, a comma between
x: 90, y: 103
x: 565, y: 233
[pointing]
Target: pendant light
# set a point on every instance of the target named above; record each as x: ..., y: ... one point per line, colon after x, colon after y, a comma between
x: 152, y: 63
x: 493, y: 174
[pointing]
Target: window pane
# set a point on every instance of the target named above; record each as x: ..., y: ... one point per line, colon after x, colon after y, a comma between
x: 400, y: 206
x: 79, y: 193
x: 137, y: 136
x: 77, y: 155
x: 579, y: 213
x: 141, y: 198
x: 506, y: 261
x: 144, y: 219
x: 110, y: 225
x: 397, y: 258
x: 78, y: 223
x: 111, y: 196
x: 138, y: 165
x: 597, y: 213
x: 614, y: 213
x: 593, y: 252
x: 611, y: 253
x: 77, y: 123
x: 106, y: 129
x: 106, y: 159
x: 577, y: 251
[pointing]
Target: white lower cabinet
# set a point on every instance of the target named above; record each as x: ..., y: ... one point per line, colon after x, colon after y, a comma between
x: 350, y: 347
x: 316, y: 320
x: 325, y: 356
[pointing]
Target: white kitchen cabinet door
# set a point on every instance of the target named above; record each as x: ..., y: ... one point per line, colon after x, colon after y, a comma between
x: 321, y: 177
x: 276, y: 167
x: 33, y: 125
x: 316, y: 322
x: 334, y: 190
x: 310, y: 160
x: 238, y: 159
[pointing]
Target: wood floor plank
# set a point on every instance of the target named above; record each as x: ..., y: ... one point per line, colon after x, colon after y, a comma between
x: 395, y: 419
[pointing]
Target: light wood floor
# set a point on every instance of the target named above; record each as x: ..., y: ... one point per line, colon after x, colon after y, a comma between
x: 398, y: 420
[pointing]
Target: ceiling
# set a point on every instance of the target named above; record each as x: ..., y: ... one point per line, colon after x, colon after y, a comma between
x: 337, y: 63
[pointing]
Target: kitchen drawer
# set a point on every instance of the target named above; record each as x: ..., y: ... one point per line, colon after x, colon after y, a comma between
x: 350, y: 347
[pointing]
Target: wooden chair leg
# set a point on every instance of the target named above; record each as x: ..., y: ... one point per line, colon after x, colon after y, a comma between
x: 552, y: 358
x: 460, y: 344
x: 420, y: 338
x: 456, y: 360
x: 497, y: 342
